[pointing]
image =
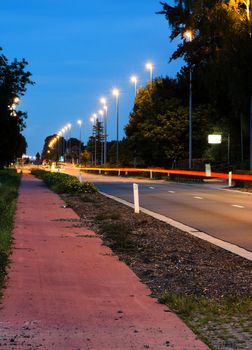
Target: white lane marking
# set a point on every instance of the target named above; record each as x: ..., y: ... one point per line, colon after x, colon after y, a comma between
x: 152, y: 188
x: 237, y: 206
x: 171, y: 191
x: 196, y: 197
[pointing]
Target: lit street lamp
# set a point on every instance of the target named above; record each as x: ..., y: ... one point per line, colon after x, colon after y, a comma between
x: 79, y: 122
x: 105, y: 107
x: 188, y: 37
x: 69, y: 140
x: 133, y: 79
x: 149, y: 66
x: 101, y: 112
x: 93, y: 121
x: 115, y: 92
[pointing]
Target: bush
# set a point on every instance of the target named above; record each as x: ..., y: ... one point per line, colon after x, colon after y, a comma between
x: 64, y: 183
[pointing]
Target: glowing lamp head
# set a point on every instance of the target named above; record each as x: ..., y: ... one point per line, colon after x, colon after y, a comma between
x: 149, y: 66
x: 103, y: 100
x: 133, y: 79
x: 115, y: 92
x: 16, y: 99
x: 188, y: 35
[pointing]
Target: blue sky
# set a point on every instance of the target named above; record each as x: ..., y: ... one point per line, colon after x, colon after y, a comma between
x: 78, y: 51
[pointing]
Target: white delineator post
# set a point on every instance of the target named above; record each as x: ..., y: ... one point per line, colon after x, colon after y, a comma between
x: 136, y: 198
x: 80, y: 177
x: 230, y: 178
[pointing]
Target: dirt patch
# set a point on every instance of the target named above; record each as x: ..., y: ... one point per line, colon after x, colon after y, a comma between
x: 162, y: 256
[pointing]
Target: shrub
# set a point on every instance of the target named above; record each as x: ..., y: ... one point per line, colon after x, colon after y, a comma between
x: 64, y: 183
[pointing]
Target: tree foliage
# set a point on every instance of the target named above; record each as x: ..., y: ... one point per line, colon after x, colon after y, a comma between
x: 220, y: 56
x: 13, y: 81
x: 158, y: 126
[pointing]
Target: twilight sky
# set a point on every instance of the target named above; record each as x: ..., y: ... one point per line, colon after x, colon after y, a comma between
x: 78, y: 51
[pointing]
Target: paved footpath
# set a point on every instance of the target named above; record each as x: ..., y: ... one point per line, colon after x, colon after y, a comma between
x: 68, y: 291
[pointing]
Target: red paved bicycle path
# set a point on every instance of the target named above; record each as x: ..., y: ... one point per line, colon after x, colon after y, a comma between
x: 68, y: 291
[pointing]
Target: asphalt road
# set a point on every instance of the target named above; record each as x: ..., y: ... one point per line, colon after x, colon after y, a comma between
x: 224, y: 214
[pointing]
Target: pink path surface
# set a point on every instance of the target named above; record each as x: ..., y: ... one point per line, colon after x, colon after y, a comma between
x: 67, y: 291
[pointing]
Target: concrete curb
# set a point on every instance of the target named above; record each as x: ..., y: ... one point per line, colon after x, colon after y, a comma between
x: 192, y: 231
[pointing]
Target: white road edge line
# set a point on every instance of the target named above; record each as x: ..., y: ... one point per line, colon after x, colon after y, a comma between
x: 171, y: 191
x: 237, y: 206
x: 192, y: 231
x: 196, y: 197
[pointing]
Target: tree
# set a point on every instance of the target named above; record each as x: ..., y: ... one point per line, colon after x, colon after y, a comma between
x: 219, y: 55
x: 158, y: 126
x: 13, y: 81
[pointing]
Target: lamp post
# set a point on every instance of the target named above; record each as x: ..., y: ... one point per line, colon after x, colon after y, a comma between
x: 93, y: 121
x: 105, y: 107
x: 69, y: 140
x: 79, y: 122
x: 115, y: 92
x: 149, y: 66
x: 133, y: 79
x: 188, y: 37
x: 101, y: 112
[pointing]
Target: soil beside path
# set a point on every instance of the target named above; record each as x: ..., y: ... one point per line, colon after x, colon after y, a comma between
x: 66, y: 290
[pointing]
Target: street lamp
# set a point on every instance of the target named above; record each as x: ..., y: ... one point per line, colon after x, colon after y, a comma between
x: 79, y: 122
x: 93, y: 121
x: 105, y: 108
x: 149, y: 66
x: 115, y: 93
x: 101, y: 112
x: 133, y: 79
x: 188, y: 37
x: 69, y: 140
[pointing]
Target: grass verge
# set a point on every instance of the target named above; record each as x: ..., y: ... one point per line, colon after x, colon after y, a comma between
x: 219, y: 323
x: 9, y: 184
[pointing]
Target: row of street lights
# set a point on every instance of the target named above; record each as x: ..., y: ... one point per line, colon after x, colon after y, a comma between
x: 104, y: 113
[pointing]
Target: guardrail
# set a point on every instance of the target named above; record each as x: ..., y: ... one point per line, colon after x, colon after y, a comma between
x: 229, y: 176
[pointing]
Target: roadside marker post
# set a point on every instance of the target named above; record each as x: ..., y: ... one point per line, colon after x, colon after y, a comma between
x: 208, y: 170
x: 80, y: 177
x: 136, y: 198
x: 150, y: 174
x: 230, y: 178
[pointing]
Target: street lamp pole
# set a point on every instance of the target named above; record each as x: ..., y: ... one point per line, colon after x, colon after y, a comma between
x: 116, y: 94
x: 188, y: 37
x: 149, y: 66
x: 190, y: 117
x: 79, y: 122
x: 93, y: 119
x: 101, y: 112
x: 133, y: 79
x: 105, y: 108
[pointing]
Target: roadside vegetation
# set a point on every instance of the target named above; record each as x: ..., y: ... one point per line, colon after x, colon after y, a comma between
x: 9, y: 184
x: 63, y: 183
